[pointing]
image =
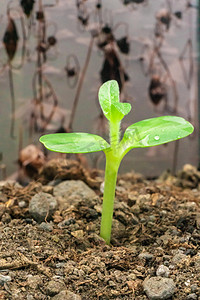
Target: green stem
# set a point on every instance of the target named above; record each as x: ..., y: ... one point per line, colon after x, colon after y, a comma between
x: 114, y: 135
x: 112, y: 166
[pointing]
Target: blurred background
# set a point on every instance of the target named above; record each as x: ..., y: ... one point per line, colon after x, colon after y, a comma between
x: 55, y: 54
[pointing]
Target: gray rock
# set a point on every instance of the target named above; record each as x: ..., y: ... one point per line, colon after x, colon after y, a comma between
x: 159, y: 288
x: 179, y: 258
x: 54, y: 287
x: 34, y: 281
x: 72, y: 192
x: 46, y: 226
x: 42, y: 206
x: 194, y: 288
x: 4, y: 279
x: 66, y: 295
x: 191, y: 297
x: 163, y: 271
x: 145, y: 255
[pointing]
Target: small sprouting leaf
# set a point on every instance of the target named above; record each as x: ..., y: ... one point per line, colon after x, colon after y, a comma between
x: 155, y: 131
x: 109, y: 101
x: 119, y: 110
x: 108, y: 95
x: 74, y: 142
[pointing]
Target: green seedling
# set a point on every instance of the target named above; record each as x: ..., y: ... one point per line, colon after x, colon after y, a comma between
x: 146, y: 133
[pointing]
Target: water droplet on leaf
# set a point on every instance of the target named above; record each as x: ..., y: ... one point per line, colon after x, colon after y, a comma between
x: 156, y: 138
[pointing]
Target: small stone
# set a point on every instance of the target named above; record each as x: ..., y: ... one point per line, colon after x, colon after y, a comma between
x: 46, y: 226
x: 145, y: 255
x: 179, y: 258
x: 34, y: 281
x: 66, y: 295
x: 191, y: 297
x: 163, y: 271
x: 6, y: 218
x: 187, y: 282
x: 29, y: 297
x: 111, y: 283
x: 60, y: 265
x: 4, y: 279
x: 194, y: 288
x: 22, y: 204
x: 144, y: 200
x: 77, y: 234
x: 152, y: 218
x: 54, y: 287
x: 72, y: 192
x: 42, y: 206
x: 158, y: 288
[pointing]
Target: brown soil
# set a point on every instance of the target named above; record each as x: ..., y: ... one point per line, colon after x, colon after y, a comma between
x: 154, y: 221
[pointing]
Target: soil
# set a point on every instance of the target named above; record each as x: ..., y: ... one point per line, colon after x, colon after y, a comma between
x: 155, y: 223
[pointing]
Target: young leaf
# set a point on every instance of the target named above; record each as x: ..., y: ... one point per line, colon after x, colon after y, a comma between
x: 74, y: 142
x: 108, y: 95
x: 109, y: 101
x: 155, y: 131
x: 119, y: 110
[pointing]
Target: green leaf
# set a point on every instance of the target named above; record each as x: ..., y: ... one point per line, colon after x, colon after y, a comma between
x: 109, y: 101
x: 108, y: 95
x: 155, y: 131
x: 119, y: 110
x: 74, y: 142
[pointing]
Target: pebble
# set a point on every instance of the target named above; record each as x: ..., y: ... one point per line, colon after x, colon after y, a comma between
x: 187, y: 282
x: 144, y: 200
x: 29, y: 297
x: 72, y: 192
x: 60, y: 265
x: 33, y: 281
x: 163, y: 271
x: 22, y: 204
x: 42, y: 206
x: 191, y: 297
x: 66, y: 295
x: 46, y: 226
x: 194, y: 288
x: 78, y: 234
x: 158, y: 288
x: 145, y: 255
x: 4, y: 279
x: 179, y: 258
x: 6, y: 218
x: 54, y: 287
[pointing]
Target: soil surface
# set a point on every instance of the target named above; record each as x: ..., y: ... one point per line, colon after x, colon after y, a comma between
x: 155, y: 245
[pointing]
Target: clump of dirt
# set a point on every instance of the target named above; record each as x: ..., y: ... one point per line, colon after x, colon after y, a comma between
x: 156, y: 234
